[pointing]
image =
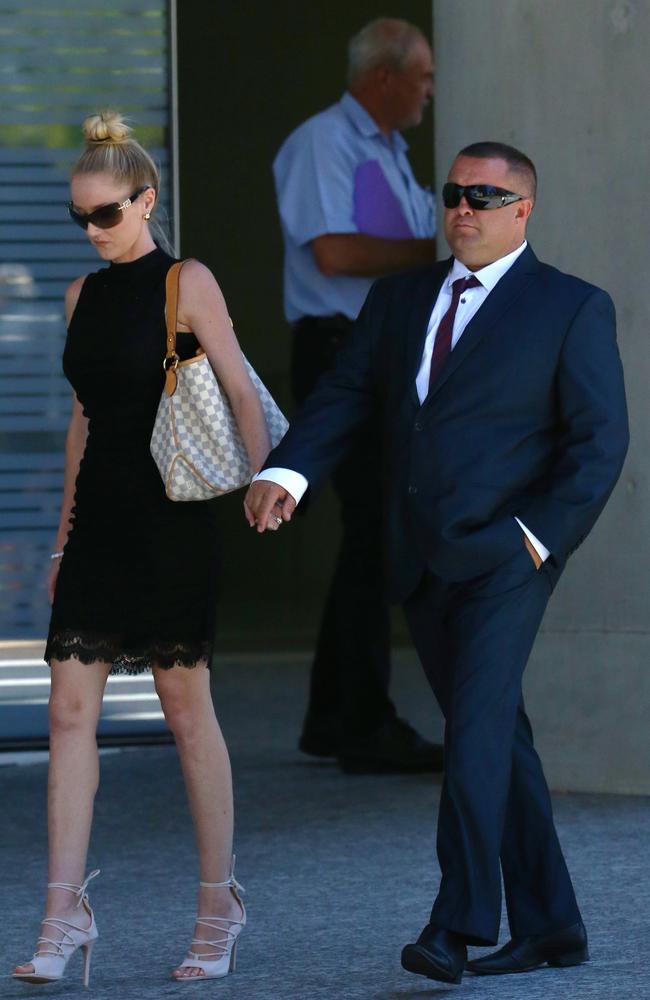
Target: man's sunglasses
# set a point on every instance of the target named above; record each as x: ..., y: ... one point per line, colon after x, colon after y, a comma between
x: 478, y: 196
x: 107, y: 216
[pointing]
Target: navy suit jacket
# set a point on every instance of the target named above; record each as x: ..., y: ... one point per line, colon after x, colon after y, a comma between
x: 527, y: 418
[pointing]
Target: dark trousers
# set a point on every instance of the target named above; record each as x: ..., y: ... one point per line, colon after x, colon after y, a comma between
x: 351, y: 668
x: 474, y: 639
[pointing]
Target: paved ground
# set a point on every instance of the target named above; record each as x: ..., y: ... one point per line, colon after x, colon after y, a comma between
x: 340, y: 871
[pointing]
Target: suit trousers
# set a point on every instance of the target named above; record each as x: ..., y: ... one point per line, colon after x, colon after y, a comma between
x: 474, y: 639
x: 351, y: 667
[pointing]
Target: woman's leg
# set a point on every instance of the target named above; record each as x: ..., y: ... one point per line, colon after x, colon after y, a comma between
x: 186, y: 701
x: 75, y: 703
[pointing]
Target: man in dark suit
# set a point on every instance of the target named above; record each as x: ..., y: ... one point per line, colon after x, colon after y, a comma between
x: 498, y: 387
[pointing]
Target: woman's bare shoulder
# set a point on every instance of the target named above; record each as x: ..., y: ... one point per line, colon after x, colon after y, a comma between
x: 200, y: 295
x: 197, y: 275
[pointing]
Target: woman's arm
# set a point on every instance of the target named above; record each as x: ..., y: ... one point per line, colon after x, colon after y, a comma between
x: 75, y: 444
x: 202, y: 309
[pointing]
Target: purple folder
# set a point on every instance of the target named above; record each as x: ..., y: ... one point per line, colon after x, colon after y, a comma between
x: 377, y: 211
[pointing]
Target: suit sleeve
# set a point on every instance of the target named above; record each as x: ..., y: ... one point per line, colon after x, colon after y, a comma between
x: 594, y: 435
x: 325, y: 428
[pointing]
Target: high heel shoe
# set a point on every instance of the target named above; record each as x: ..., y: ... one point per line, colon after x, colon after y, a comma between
x: 49, y: 964
x: 223, y: 958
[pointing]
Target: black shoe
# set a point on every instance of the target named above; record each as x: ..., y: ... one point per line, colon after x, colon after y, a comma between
x: 394, y: 747
x: 564, y: 948
x: 437, y: 954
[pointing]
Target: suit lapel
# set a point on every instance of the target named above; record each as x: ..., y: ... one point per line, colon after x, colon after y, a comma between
x: 507, y: 290
x: 422, y: 305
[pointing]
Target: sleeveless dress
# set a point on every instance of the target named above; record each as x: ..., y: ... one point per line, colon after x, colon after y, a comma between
x: 138, y: 576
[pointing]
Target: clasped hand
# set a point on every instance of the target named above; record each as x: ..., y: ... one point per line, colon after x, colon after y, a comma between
x: 268, y: 505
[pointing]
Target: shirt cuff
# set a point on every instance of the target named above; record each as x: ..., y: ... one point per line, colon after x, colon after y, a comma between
x: 541, y: 550
x: 293, y: 482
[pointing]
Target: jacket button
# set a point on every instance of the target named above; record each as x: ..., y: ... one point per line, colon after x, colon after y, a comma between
x: 413, y: 489
x: 418, y: 426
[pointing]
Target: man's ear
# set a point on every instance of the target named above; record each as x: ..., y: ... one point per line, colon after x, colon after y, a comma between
x: 383, y: 77
x: 524, y: 208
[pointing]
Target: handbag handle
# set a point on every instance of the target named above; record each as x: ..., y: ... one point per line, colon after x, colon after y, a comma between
x: 171, y: 360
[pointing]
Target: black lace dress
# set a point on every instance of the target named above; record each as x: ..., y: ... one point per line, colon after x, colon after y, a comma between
x: 137, y: 582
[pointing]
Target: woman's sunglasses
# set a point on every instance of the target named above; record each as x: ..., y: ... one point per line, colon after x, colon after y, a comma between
x: 478, y: 196
x: 107, y: 216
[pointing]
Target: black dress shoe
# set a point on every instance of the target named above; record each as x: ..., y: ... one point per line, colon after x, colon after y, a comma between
x: 564, y: 948
x: 437, y: 954
x: 393, y: 748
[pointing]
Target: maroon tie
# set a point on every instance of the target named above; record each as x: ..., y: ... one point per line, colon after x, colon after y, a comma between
x: 442, y: 343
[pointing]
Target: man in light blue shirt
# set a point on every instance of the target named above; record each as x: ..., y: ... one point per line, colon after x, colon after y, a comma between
x: 351, y: 210
x: 339, y: 173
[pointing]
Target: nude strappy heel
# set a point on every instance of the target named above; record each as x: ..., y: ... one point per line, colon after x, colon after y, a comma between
x: 49, y: 964
x: 223, y: 958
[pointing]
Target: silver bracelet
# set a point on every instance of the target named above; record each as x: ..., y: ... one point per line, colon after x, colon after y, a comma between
x: 56, y: 555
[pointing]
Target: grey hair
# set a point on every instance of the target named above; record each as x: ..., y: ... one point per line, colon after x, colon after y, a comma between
x: 387, y: 41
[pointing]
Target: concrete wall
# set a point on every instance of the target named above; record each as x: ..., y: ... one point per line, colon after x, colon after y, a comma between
x: 567, y: 82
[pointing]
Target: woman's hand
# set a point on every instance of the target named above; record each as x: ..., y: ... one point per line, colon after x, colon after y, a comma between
x: 268, y: 505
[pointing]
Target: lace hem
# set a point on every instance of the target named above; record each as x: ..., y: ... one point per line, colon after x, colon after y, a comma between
x: 64, y: 644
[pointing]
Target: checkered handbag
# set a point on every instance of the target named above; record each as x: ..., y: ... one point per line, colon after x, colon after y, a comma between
x: 195, y: 442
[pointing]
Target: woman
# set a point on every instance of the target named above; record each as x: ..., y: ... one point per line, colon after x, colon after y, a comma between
x: 133, y: 574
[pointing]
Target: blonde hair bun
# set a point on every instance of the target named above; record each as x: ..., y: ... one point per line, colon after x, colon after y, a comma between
x: 107, y: 126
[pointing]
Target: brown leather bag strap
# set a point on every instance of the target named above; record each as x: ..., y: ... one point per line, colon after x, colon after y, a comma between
x: 171, y: 310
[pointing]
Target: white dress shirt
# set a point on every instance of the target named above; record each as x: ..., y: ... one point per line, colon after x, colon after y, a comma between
x: 471, y: 300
